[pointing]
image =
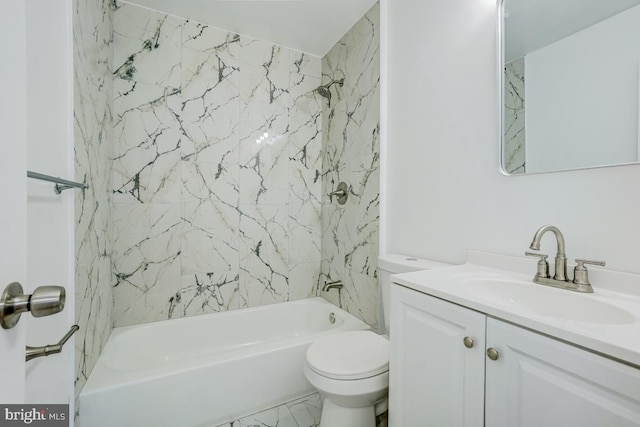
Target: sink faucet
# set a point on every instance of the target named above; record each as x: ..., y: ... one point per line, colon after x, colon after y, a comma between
x: 561, y: 258
x: 580, y: 281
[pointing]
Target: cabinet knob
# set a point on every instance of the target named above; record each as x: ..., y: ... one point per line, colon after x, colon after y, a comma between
x: 468, y: 342
x: 492, y: 353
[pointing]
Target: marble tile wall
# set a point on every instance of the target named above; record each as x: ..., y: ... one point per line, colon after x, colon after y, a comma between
x: 217, y: 164
x: 514, y: 125
x: 351, y: 153
x: 92, y: 29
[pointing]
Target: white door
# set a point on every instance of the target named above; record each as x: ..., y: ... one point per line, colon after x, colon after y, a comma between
x: 50, y: 225
x: 436, y: 377
x: 13, y: 188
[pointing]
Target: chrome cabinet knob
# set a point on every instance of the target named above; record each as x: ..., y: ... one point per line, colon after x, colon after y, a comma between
x: 45, y: 301
x: 468, y: 342
x: 492, y: 353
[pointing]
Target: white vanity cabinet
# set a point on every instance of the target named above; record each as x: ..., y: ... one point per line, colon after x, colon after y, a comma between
x: 540, y: 381
x: 434, y: 379
x: 536, y: 380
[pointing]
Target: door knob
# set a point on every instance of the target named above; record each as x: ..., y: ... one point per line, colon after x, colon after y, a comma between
x: 45, y: 301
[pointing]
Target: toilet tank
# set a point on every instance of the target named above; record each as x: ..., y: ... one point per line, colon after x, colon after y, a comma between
x: 393, y: 264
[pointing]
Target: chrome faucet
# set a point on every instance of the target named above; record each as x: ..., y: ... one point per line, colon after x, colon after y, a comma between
x: 561, y: 257
x: 332, y: 285
x: 580, y: 281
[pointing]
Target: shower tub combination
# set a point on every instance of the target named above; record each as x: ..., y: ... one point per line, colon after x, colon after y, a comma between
x: 210, y: 369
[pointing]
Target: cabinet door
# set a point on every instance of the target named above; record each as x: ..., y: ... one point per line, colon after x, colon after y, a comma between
x: 539, y: 381
x: 434, y: 379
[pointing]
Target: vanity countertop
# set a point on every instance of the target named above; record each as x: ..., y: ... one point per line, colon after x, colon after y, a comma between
x: 606, y: 321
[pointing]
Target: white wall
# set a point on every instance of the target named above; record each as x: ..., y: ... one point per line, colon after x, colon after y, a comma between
x: 582, y: 97
x: 443, y: 192
x: 50, y: 216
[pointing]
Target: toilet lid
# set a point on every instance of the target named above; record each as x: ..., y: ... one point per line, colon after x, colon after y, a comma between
x: 349, y: 355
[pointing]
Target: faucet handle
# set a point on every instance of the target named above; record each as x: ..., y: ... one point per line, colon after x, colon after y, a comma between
x: 581, y: 262
x: 543, y: 265
x: 543, y: 257
x: 581, y: 274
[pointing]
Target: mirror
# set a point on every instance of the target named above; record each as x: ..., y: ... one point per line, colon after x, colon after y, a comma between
x: 570, y: 84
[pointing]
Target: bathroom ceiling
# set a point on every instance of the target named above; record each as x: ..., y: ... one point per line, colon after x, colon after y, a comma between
x: 311, y: 26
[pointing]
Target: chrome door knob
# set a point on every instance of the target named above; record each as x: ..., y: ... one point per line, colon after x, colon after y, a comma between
x: 468, y: 342
x: 12, y: 304
x: 492, y: 353
x: 45, y: 301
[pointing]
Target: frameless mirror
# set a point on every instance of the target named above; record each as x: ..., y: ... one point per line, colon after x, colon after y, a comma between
x: 571, y: 80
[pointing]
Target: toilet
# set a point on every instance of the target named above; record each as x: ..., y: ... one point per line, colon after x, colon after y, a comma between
x: 351, y: 369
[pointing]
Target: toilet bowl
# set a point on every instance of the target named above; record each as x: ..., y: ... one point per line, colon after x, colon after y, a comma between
x: 351, y: 369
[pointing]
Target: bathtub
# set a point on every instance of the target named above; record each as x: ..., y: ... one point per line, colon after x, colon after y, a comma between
x: 207, y: 370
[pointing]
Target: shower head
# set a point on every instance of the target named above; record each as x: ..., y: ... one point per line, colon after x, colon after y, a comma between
x: 324, y: 90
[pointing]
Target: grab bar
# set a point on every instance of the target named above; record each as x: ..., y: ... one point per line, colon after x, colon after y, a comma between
x: 60, y: 184
x: 46, y: 350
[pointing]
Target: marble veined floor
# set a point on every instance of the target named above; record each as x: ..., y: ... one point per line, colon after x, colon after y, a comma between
x: 303, y: 412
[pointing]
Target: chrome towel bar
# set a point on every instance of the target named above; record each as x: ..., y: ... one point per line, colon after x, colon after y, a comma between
x: 46, y: 350
x: 60, y: 184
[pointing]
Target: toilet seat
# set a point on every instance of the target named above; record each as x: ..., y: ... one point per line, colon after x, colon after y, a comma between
x: 352, y: 355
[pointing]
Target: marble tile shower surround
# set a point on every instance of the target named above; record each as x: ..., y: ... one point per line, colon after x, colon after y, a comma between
x: 190, y: 204
x: 92, y: 48
x: 217, y: 169
x: 351, y: 153
x: 514, y: 124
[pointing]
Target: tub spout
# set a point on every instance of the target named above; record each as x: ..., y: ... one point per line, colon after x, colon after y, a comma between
x: 331, y: 285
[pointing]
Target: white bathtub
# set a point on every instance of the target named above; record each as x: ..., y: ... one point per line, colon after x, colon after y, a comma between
x: 207, y: 370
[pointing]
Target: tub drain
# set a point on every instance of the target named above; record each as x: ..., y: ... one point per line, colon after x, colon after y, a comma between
x: 332, y: 318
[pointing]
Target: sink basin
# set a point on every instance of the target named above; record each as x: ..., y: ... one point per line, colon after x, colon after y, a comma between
x: 540, y: 300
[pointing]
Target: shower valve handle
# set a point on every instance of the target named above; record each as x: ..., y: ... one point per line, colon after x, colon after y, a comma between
x: 341, y: 193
